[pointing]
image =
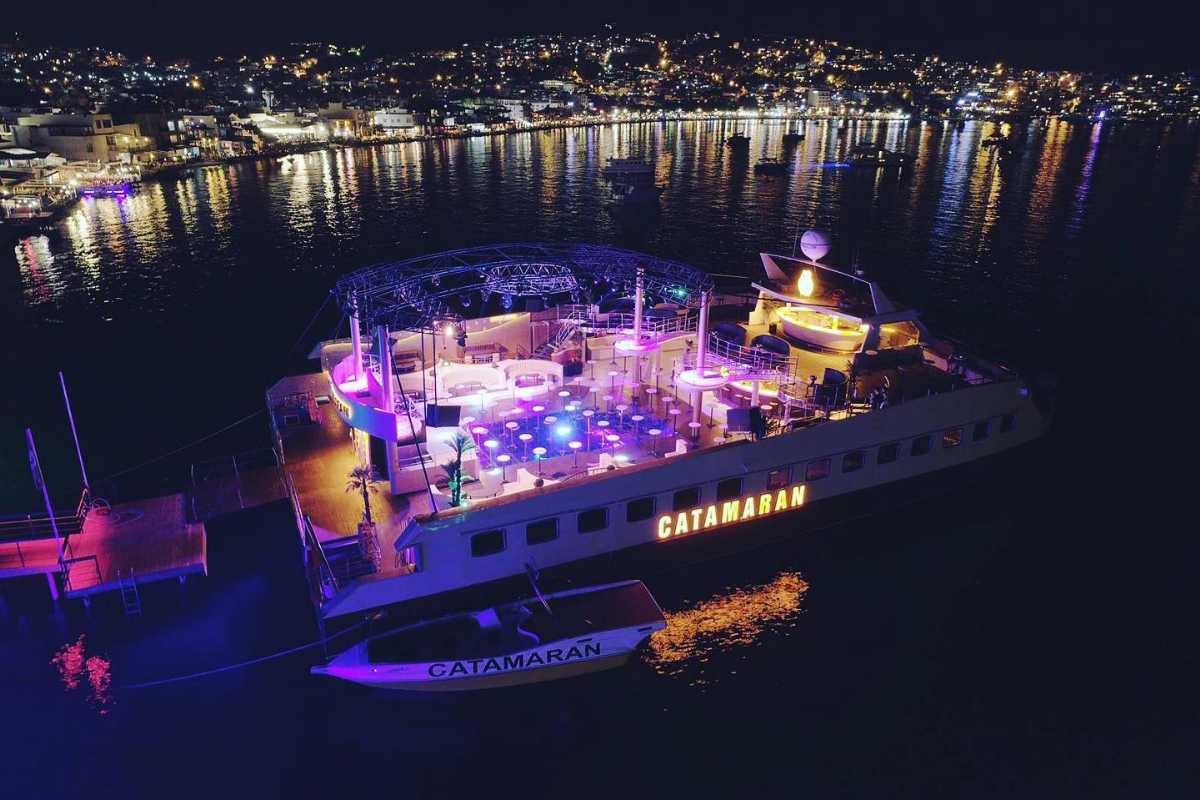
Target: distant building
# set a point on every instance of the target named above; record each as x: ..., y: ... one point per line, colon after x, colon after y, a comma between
x: 288, y: 126
x: 78, y: 137
x: 342, y: 122
x: 395, y: 120
x: 819, y: 99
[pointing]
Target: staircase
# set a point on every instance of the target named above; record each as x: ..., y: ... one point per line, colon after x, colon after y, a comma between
x: 130, y: 598
x: 567, y: 327
x: 81, y: 573
x: 346, y: 560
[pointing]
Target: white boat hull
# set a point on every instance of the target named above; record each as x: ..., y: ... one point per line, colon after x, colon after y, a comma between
x: 553, y: 661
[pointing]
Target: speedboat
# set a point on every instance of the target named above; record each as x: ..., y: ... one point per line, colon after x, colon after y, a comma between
x: 538, y: 639
x: 738, y: 141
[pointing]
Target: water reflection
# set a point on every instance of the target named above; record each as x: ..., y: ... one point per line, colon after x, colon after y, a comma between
x: 738, y: 617
x: 957, y: 213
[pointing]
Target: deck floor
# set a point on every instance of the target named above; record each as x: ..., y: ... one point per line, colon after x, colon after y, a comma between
x: 318, y: 458
x: 150, y: 539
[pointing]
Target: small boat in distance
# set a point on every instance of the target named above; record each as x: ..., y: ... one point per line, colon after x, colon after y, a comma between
x: 770, y: 166
x: 870, y: 154
x: 792, y: 138
x: 1002, y: 144
x: 538, y: 639
x: 738, y: 141
x: 631, y: 181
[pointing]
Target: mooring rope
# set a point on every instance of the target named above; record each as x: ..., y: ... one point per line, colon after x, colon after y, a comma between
x: 242, y: 664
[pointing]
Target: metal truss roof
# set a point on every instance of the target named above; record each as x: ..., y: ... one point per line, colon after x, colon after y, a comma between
x: 429, y: 291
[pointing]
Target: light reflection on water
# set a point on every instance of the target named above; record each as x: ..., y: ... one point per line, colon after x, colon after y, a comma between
x: 736, y: 618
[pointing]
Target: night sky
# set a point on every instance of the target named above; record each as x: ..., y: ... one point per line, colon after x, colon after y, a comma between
x: 1075, y: 34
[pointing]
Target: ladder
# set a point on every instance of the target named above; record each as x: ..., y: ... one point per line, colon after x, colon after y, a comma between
x: 130, y: 598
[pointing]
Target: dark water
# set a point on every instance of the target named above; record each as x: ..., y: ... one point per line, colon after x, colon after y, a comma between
x: 1024, y: 635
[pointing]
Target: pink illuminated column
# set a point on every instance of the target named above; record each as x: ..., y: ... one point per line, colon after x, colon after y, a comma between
x: 384, y: 349
x: 702, y: 334
x: 356, y: 342
x: 637, y: 305
x: 701, y: 354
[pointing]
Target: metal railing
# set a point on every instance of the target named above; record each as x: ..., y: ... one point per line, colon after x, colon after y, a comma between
x: 41, y: 527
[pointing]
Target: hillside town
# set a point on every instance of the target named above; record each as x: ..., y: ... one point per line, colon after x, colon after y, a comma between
x: 94, y: 121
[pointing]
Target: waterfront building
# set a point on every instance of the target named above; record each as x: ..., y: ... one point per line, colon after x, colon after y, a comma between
x: 77, y: 137
x: 342, y: 122
x: 819, y: 100
x: 395, y: 120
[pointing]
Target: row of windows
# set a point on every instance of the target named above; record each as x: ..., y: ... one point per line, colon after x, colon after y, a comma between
x: 643, y: 508
x: 921, y: 445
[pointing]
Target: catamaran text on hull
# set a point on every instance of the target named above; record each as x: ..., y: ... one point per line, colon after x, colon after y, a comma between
x: 741, y: 509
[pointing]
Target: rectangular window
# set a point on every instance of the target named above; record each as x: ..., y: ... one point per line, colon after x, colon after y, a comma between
x: 888, y: 452
x: 853, y: 462
x: 728, y: 489
x: 542, y: 531
x: 816, y: 470
x: 685, y: 499
x: 980, y: 431
x: 952, y: 437
x: 920, y: 445
x: 594, y: 519
x: 640, y: 509
x: 487, y: 544
x: 779, y: 478
x: 1008, y: 422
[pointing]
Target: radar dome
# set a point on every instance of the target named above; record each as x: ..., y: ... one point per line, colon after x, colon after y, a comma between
x: 814, y: 245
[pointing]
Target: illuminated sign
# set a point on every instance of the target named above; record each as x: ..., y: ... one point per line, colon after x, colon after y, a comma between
x: 728, y: 512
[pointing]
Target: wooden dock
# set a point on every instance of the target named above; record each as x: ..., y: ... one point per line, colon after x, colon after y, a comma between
x: 140, y: 541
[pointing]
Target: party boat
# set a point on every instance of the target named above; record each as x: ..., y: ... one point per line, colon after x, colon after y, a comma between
x: 587, y: 410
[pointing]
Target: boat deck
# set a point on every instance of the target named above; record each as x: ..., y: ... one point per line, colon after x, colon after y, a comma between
x: 319, y: 457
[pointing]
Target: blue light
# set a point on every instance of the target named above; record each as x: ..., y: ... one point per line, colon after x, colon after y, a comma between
x: 563, y: 430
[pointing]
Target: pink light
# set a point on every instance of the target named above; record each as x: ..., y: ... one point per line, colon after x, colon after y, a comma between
x: 630, y: 346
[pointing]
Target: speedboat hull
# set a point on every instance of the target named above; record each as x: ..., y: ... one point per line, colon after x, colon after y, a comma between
x: 597, y: 628
x: 555, y: 661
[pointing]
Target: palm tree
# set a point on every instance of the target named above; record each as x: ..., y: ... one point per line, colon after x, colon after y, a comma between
x: 460, y: 444
x: 362, y: 479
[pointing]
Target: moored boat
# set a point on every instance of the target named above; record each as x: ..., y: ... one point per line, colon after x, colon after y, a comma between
x: 870, y: 154
x: 538, y: 639
x: 770, y: 166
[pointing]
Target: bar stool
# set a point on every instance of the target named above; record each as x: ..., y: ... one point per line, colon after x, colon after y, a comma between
x: 538, y: 452
x: 655, y: 433
x: 525, y: 437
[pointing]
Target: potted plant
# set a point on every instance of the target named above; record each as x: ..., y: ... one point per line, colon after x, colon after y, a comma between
x: 362, y: 480
x: 460, y: 445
